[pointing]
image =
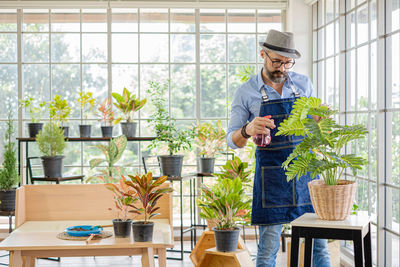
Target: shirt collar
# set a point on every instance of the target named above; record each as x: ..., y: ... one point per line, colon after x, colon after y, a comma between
x: 261, y: 84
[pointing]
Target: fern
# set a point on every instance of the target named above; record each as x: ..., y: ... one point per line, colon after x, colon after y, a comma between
x: 319, y: 152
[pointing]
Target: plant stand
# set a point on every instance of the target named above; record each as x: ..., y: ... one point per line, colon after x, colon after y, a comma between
x: 213, y: 258
x: 207, y: 241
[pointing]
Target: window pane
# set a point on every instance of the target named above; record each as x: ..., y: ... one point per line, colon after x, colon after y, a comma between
x: 66, y: 82
x: 183, y: 95
x: 94, y: 20
x: 124, y: 48
x: 94, y: 47
x: 396, y: 148
x: 212, y: 20
x: 395, y: 56
x: 212, y: 48
x: 182, y: 20
x: 330, y: 35
x: 352, y: 80
x: 8, y: 20
x: 213, y: 90
x: 395, y: 14
x: 65, y: 47
x: 268, y: 19
x: 241, y: 20
x: 153, y: 20
x: 373, y: 19
x: 362, y: 81
x: 183, y: 48
x: 94, y: 79
x: 35, y: 47
x: 395, y: 246
x: 9, y: 88
x: 234, y: 79
x: 352, y: 28
x: 241, y: 48
x: 321, y: 11
x: 362, y: 24
x: 124, y: 20
x: 154, y: 48
x: 330, y: 80
x: 8, y: 48
x: 337, y: 83
x: 329, y: 10
x: 321, y: 41
x: 374, y: 75
x: 35, y: 20
x: 35, y: 81
x: 65, y: 20
x: 125, y: 75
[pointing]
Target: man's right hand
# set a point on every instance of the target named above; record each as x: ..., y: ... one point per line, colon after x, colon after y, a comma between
x: 258, y: 125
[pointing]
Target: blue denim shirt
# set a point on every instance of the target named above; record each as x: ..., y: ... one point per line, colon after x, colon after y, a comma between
x: 247, y: 99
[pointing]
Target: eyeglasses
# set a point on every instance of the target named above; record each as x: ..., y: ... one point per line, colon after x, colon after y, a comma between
x: 278, y: 63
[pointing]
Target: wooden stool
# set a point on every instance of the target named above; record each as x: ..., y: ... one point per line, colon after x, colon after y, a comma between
x: 356, y: 228
x: 214, y: 258
x: 206, y: 241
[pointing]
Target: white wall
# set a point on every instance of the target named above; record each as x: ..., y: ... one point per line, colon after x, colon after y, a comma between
x: 299, y: 21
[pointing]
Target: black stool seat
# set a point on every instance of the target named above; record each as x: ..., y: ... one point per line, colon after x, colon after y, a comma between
x: 356, y: 228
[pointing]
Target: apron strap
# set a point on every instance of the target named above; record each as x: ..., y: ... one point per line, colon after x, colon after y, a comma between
x: 264, y: 95
x: 296, y: 94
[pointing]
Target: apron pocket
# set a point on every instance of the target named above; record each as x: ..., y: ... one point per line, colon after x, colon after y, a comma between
x: 276, y: 191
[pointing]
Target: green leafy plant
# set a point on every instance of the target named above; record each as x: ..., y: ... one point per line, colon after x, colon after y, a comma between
x: 128, y: 104
x: 106, y: 114
x: 112, y: 153
x: 167, y: 132
x: 225, y: 204
x: 35, y: 109
x: 59, y: 110
x: 9, y: 174
x: 210, y: 139
x: 235, y: 168
x: 86, y: 102
x: 320, y: 151
x: 245, y: 73
x: 51, y: 140
x: 124, y: 197
x: 148, y: 193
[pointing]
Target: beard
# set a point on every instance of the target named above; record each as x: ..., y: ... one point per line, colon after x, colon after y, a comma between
x: 276, y: 76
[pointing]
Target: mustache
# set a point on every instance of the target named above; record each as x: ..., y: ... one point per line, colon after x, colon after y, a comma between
x: 279, y: 73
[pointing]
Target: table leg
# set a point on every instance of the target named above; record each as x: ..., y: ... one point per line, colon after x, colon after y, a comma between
x: 26, y: 158
x: 148, y: 257
x: 162, y: 257
x: 294, y: 248
x: 15, y: 258
x: 367, y: 248
x: 181, y: 200
x: 308, y: 252
x: 358, y: 249
x: 28, y: 261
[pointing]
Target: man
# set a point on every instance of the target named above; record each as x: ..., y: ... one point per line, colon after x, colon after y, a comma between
x: 258, y: 107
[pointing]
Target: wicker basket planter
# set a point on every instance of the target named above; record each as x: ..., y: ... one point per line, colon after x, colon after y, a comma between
x: 332, y: 202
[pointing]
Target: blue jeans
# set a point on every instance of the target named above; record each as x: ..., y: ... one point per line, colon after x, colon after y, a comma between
x: 269, y: 244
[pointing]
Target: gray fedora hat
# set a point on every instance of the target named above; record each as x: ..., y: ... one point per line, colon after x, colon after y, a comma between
x: 281, y: 43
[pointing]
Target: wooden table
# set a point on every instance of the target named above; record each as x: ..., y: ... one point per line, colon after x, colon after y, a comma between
x: 24, y: 247
x: 355, y: 228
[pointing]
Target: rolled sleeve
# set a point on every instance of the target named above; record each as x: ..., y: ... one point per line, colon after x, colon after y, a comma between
x: 239, y: 115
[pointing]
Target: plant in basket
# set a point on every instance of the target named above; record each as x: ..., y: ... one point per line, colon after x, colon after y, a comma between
x: 320, y: 154
x: 210, y: 139
x: 124, y: 199
x: 128, y: 104
x: 106, y: 117
x: 226, y: 205
x: 148, y: 193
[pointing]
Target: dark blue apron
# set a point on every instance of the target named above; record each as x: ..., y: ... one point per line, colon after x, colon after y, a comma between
x: 276, y: 201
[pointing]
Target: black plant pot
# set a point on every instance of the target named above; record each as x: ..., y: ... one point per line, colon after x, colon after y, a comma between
x: 206, y: 165
x: 85, y: 131
x: 142, y: 232
x: 7, y: 200
x: 171, y: 165
x: 34, y: 128
x: 122, y: 228
x: 106, y: 131
x: 66, y: 130
x: 52, y: 166
x: 129, y: 129
x: 226, y: 240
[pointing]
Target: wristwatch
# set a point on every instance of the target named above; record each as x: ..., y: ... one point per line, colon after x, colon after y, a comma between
x: 243, y: 132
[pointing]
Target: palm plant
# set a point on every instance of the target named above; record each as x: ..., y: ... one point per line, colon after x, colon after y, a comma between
x: 319, y: 153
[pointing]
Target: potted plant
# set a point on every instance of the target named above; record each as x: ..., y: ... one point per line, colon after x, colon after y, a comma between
x: 320, y: 154
x: 86, y: 102
x: 167, y: 132
x: 51, y: 143
x: 35, y: 112
x: 59, y: 112
x: 148, y: 193
x: 128, y: 104
x: 226, y: 205
x: 210, y: 140
x: 9, y: 173
x: 106, y: 117
x: 124, y: 197
x: 112, y: 153
x: 235, y: 168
